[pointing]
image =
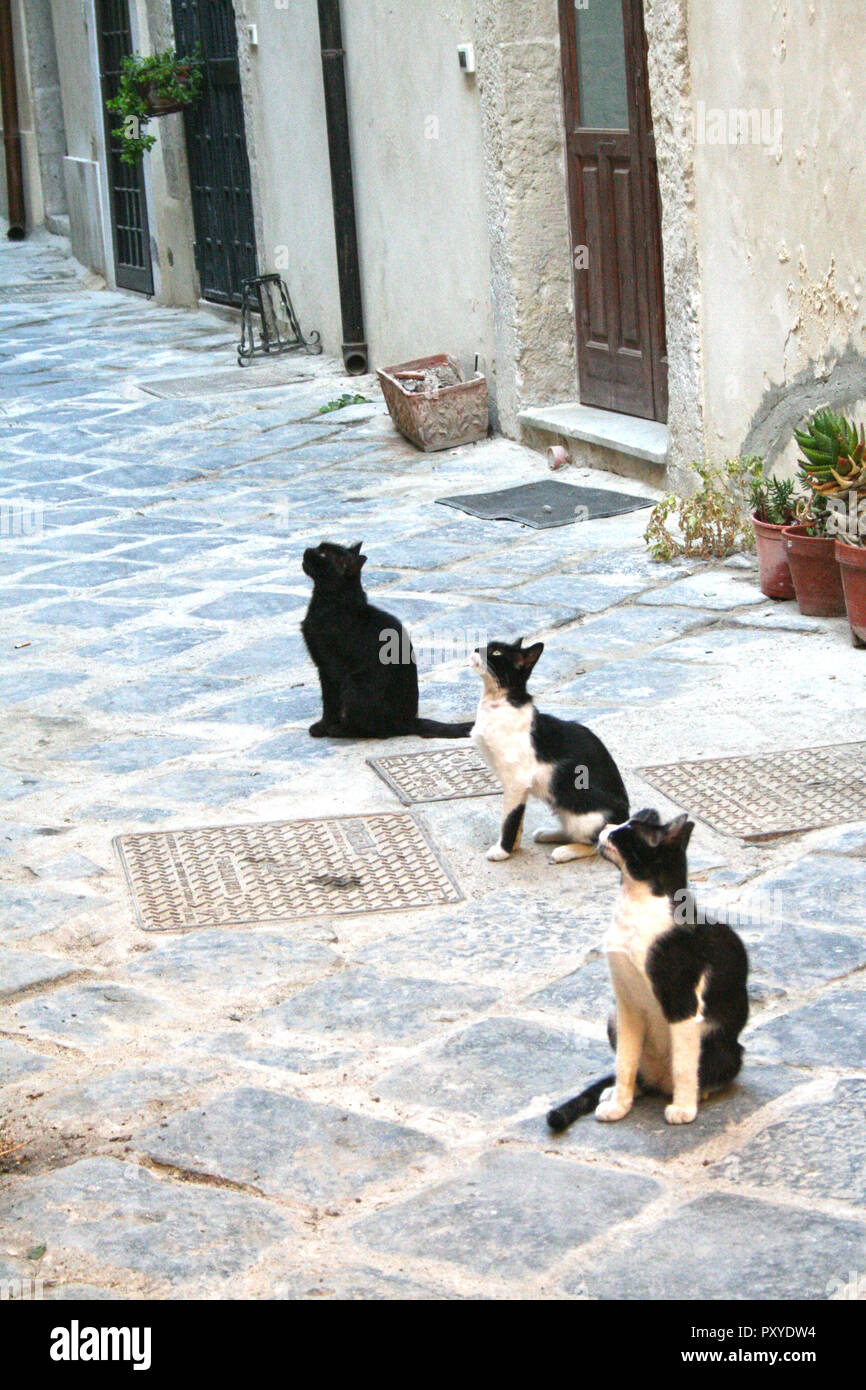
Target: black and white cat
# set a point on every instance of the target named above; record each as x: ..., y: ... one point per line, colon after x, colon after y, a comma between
x: 679, y: 981
x: 535, y: 754
x: 365, y: 692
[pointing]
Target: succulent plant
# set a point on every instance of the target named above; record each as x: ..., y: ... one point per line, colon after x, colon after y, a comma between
x: 774, y: 500
x: 834, y: 454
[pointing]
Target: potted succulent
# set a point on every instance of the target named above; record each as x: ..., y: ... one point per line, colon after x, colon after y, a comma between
x: 773, y: 507
x: 833, y: 463
x: 157, y: 85
x: 851, y: 554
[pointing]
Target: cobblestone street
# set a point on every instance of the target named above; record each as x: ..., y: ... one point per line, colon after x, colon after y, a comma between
x: 353, y: 1105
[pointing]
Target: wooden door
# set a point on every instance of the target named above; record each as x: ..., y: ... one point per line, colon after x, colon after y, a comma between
x: 615, y: 208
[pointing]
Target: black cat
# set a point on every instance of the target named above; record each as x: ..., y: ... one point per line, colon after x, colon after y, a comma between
x: 364, y: 658
x: 679, y: 981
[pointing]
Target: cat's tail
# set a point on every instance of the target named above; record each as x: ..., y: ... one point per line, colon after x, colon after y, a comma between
x: 431, y: 728
x: 570, y: 1110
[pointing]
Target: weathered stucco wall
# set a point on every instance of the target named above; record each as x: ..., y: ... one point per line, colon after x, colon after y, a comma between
x: 780, y: 236
x: 519, y: 70
x: 416, y: 149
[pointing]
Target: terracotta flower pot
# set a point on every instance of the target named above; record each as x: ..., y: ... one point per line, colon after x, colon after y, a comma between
x: 164, y: 106
x: 815, y: 572
x: 439, y: 419
x: 773, y: 569
x: 852, y: 563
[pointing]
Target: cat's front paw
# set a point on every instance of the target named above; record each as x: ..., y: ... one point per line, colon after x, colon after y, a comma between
x: 609, y: 1110
x: 496, y: 853
x: 680, y: 1114
x: 318, y: 730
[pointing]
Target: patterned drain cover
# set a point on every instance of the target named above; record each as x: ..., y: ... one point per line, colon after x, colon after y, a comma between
x: 247, y: 875
x: 780, y: 794
x: 441, y: 776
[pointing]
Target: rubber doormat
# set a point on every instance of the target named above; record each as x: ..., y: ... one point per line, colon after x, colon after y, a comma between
x: 249, y: 875
x: 759, y: 798
x: 546, y: 503
x: 445, y: 775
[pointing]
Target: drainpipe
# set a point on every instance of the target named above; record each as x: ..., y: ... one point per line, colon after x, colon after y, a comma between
x: 342, y: 187
x: 11, y: 132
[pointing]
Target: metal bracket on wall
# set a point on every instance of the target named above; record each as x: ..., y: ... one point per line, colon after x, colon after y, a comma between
x: 279, y: 330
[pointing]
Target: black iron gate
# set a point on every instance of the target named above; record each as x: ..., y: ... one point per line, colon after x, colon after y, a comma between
x: 132, y: 264
x: 216, y: 145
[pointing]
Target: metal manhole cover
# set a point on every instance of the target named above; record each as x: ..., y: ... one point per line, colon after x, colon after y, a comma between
x: 778, y: 794
x: 440, y: 776
x: 248, y: 875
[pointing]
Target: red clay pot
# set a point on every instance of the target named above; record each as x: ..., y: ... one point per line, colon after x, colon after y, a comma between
x: 773, y: 569
x: 852, y: 563
x: 815, y: 572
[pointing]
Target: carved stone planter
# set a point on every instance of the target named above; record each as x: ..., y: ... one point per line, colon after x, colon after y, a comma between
x: 440, y: 418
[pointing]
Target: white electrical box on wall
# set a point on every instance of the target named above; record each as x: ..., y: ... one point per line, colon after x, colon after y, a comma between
x: 466, y: 57
x: 253, y: 35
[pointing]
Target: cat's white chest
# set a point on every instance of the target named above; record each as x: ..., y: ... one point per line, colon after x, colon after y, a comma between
x: 639, y: 918
x: 502, y: 735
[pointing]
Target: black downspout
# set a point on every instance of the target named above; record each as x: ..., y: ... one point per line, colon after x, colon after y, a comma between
x: 11, y: 131
x: 340, y: 152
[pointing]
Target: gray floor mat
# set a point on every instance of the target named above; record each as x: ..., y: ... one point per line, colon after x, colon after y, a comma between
x: 547, y: 503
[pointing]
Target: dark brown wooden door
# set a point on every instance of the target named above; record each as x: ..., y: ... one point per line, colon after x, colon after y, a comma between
x: 615, y: 209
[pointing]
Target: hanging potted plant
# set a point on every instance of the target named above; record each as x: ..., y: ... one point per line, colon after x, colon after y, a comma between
x: 157, y: 85
x: 774, y: 506
x: 833, y: 464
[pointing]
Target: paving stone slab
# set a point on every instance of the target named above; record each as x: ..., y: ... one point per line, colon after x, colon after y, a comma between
x: 237, y: 965
x: 638, y: 680
x: 719, y: 590
x: 126, y: 1094
x: 27, y: 914
x: 585, y: 993
x: 286, y: 1146
x: 114, y: 757
x: 158, y: 694
x: 16, y: 1062
x: 727, y: 1247
x: 499, y: 938
x: 822, y: 890
x: 831, y: 1032
x: 498, y: 1067
x: 125, y: 1217
x: 511, y: 1215
x: 20, y: 970
x: 301, y: 1058
x: 818, y: 1150
x: 785, y: 957
x: 88, y: 1014
x: 360, y: 1001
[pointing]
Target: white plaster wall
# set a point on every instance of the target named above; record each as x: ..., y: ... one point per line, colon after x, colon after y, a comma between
x: 77, y: 63
x: 780, y: 232
x: 417, y: 160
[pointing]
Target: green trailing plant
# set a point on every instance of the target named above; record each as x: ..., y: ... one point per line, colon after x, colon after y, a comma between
x: 341, y: 402
x: 146, y: 84
x: 774, y: 500
x: 834, y: 454
x: 714, y: 521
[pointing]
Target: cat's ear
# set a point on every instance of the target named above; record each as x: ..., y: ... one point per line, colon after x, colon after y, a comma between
x: 528, y: 656
x: 356, y: 548
x: 678, y: 832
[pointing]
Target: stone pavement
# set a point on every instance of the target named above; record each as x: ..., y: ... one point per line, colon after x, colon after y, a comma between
x: 353, y: 1107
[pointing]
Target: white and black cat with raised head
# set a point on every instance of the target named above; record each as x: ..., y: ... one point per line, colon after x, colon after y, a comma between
x: 535, y: 754
x: 364, y: 695
x: 679, y: 980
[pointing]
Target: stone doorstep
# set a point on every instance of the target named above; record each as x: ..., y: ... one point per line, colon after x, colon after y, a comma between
x: 621, y: 444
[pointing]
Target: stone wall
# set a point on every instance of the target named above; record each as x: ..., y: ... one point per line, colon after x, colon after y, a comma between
x: 519, y: 73
x: 780, y: 240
